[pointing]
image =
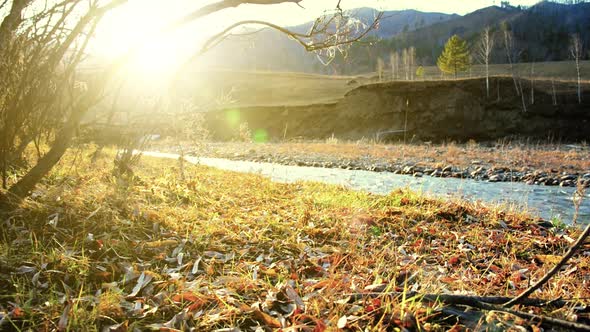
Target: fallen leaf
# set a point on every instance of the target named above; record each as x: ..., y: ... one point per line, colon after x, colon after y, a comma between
x: 142, y: 281
x: 548, y: 259
x: 185, y: 297
x: 454, y: 260
x: 265, y: 318
x: 62, y: 325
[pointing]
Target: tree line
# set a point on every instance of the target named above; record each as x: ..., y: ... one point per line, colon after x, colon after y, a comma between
x: 457, y: 57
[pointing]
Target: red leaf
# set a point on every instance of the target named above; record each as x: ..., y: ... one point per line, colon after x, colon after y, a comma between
x: 185, y: 297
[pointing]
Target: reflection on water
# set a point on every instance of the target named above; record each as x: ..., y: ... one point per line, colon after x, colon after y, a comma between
x: 546, y: 202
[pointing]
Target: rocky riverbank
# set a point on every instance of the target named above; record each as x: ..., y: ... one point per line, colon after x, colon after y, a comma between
x: 564, y: 166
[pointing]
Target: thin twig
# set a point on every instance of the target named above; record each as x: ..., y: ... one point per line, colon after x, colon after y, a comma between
x: 572, y: 250
x: 462, y: 299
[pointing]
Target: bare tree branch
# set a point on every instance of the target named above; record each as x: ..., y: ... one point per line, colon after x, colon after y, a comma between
x: 305, y: 40
x: 221, y: 5
x: 569, y: 254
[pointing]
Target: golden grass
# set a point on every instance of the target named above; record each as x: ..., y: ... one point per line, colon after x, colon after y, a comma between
x: 229, y: 250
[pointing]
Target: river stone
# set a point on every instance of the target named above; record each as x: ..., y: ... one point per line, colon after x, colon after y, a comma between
x: 418, y: 174
x: 495, y: 178
x: 408, y: 170
x: 551, y: 182
x: 448, y: 168
x: 567, y: 183
x: 568, y: 177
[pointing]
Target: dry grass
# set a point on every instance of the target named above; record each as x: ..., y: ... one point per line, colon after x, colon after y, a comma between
x: 229, y: 250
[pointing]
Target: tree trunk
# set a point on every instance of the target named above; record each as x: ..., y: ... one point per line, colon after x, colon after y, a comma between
x: 487, y: 79
x: 579, y: 81
x: 27, y: 183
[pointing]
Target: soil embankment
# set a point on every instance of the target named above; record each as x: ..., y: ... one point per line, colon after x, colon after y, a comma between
x: 430, y: 110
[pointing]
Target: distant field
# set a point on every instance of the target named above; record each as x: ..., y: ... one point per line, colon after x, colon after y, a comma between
x: 218, y: 88
x: 259, y: 88
x: 231, y: 88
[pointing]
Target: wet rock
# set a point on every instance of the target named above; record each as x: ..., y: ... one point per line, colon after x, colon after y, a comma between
x: 496, y: 178
x: 418, y: 174
x: 567, y: 183
x: 447, y: 168
x: 459, y: 175
x: 408, y: 170
x: 568, y: 177
x: 551, y: 182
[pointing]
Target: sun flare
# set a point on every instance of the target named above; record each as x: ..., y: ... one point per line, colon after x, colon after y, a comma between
x: 138, y: 29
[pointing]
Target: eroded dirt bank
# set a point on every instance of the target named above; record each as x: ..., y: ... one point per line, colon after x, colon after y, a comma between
x: 435, y: 110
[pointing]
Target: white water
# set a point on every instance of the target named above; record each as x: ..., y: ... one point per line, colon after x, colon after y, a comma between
x: 545, y: 201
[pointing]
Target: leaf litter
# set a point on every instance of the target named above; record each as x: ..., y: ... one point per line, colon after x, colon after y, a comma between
x: 199, y: 255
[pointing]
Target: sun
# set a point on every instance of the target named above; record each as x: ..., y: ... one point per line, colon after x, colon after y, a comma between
x: 157, y: 57
x: 138, y: 28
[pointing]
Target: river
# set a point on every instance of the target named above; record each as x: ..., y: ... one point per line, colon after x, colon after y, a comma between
x: 547, y: 202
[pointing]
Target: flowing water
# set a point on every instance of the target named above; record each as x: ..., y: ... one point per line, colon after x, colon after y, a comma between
x: 546, y: 202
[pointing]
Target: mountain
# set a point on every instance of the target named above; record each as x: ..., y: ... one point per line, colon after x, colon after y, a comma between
x: 544, y: 30
x: 395, y: 22
x: 541, y: 33
x: 272, y: 50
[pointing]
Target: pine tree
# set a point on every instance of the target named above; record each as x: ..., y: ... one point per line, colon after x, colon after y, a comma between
x: 455, y: 57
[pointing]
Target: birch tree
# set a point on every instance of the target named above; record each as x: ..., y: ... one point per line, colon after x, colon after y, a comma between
x: 484, y: 52
x: 411, y: 61
x: 405, y: 62
x: 394, y: 63
x: 577, y: 52
x: 380, y: 68
x: 511, y: 52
